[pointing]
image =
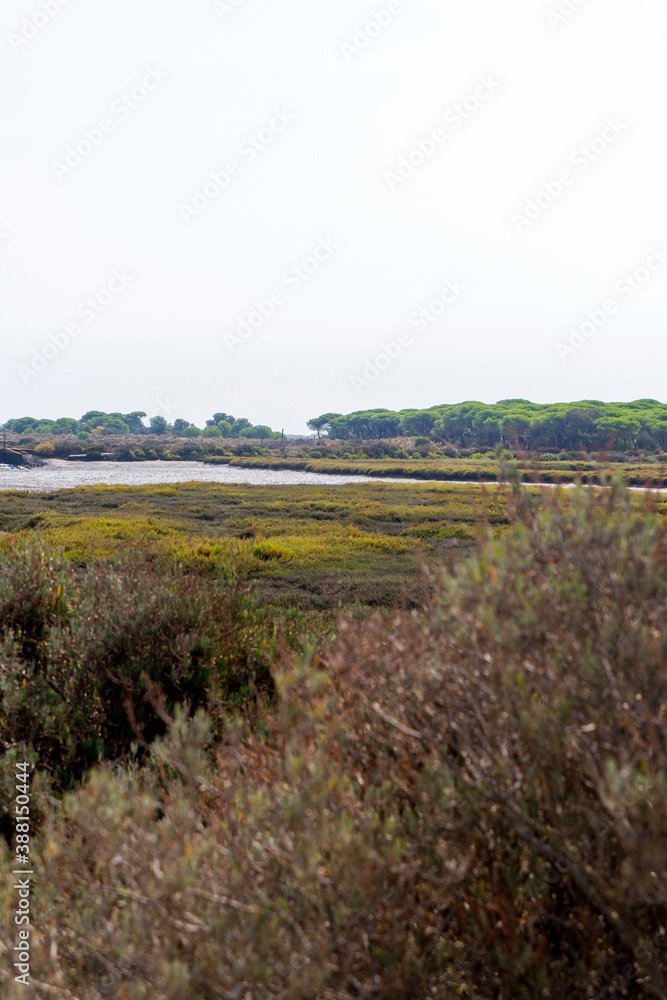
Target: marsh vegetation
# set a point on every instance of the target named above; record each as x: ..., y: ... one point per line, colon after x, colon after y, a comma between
x: 394, y: 741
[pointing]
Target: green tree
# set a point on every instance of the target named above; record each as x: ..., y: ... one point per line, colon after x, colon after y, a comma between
x: 515, y: 427
x: 159, y: 425
x: 66, y: 425
x: 115, y: 425
x: 386, y: 425
x: 91, y: 415
x: 322, y: 423
x: 21, y: 425
x: 239, y: 426
x: 180, y: 425
x: 134, y: 421
x: 419, y: 423
x: 262, y: 431
x: 339, y: 428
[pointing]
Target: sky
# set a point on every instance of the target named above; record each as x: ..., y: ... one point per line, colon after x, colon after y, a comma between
x: 281, y: 209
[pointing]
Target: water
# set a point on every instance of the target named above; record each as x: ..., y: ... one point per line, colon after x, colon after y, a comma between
x: 59, y: 474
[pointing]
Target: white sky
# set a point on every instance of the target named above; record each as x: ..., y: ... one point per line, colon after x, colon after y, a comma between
x: 160, y: 345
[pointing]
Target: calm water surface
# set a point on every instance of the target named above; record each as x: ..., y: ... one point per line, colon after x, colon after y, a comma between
x: 60, y: 474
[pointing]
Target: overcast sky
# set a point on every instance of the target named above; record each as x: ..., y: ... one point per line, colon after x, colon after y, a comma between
x: 416, y: 203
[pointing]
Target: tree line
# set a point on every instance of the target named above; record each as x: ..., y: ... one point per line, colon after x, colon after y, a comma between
x: 590, y: 424
x: 99, y: 422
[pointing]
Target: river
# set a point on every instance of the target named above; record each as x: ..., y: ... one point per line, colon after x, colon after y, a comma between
x: 59, y: 474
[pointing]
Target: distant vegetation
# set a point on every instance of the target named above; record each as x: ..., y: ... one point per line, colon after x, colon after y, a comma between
x: 98, y: 422
x: 588, y: 425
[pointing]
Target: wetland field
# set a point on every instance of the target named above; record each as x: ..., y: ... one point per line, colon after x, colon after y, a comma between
x: 334, y: 739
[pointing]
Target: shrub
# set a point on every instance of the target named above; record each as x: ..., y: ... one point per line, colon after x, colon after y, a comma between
x: 521, y: 728
x: 267, y: 551
x: 45, y: 449
x: 32, y: 596
x: 88, y: 668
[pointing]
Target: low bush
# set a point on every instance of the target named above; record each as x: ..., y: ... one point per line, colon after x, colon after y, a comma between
x: 90, y: 663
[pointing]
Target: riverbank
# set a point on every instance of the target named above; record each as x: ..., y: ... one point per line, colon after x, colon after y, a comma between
x: 17, y: 459
x: 400, y: 458
x: 468, y: 470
